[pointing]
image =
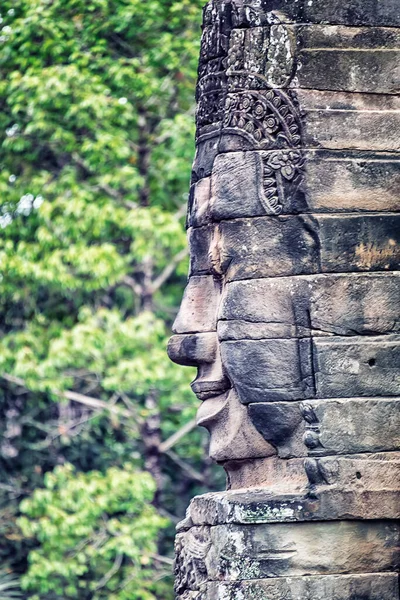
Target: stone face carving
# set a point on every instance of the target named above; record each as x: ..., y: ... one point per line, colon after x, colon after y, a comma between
x: 291, y: 312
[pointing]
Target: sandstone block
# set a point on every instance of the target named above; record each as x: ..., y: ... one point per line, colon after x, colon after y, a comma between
x: 377, y: 586
x: 345, y: 121
x: 206, y: 151
x: 201, y: 240
x: 359, y: 181
x: 246, y: 184
x: 268, y: 246
x: 363, y: 486
x: 238, y: 553
x: 320, y: 57
x: 360, y: 366
x: 193, y: 349
x: 318, y: 305
x: 269, y: 370
x: 199, y: 201
x: 359, y: 243
x: 325, y: 367
x: 282, y: 425
x: 369, y: 12
x: 330, y: 426
x: 347, y: 58
x: 294, y: 245
x: 277, y: 476
x: 311, y: 119
x: 243, y: 183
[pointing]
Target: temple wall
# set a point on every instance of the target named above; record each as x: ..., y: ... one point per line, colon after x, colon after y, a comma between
x: 294, y: 298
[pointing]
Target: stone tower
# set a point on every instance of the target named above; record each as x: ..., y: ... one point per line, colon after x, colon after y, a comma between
x: 291, y: 312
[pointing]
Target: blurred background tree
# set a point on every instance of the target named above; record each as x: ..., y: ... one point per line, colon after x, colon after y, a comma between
x: 96, y: 143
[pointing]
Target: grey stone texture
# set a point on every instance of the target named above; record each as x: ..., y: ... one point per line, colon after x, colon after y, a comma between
x: 260, y: 247
x: 329, y: 426
x: 317, y: 305
x: 377, y: 586
x: 353, y: 180
x: 383, y: 13
x: 292, y: 309
x: 293, y: 549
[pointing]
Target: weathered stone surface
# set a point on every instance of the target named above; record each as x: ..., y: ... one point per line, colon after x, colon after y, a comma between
x: 259, y: 551
x: 345, y: 121
x: 247, y: 184
x: 363, y: 486
x: 193, y: 349
x: 361, y: 366
x: 318, y: 305
x: 270, y: 370
x: 294, y: 245
x: 351, y: 426
x: 265, y: 246
x: 353, y: 181
x: 316, y: 56
x: 252, y: 57
x: 199, y: 305
x: 359, y: 243
x: 347, y: 59
x: 255, y: 248
x: 326, y: 427
x: 377, y: 586
x: 282, y: 424
x: 367, y: 12
x: 368, y: 484
x: 199, y: 201
x: 290, y: 369
x: 292, y: 309
x: 234, y: 435
x: 329, y: 120
x: 206, y: 151
x: 260, y: 119
x: 271, y: 472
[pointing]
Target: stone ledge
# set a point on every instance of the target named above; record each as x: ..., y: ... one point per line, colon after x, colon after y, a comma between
x: 261, y: 506
x: 374, y: 586
x: 232, y: 553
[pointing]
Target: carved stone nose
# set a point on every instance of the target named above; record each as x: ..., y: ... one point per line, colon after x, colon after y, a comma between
x: 199, y: 306
x: 192, y: 350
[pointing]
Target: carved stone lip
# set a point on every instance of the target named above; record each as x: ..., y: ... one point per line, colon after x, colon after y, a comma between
x: 205, y: 390
x: 210, y: 394
x: 211, y: 409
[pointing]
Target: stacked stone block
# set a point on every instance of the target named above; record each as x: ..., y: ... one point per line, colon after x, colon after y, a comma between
x: 293, y: 293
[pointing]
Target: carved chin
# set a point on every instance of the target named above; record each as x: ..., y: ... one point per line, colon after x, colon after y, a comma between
x: 232, y: 434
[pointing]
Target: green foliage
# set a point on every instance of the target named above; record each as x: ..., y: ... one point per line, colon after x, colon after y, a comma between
x: 96, y: 142
x: 84, y: 523
x: 124, y: 354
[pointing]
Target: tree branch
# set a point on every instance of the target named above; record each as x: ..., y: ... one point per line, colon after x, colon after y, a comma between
x: 163, y: 559
x: 186, y: 468
x: 178, y: 435
x: 114, y: 569
x: 135, y: 287
x: 88, y: 401
x: 101, y: 186
x: 169, y: 269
